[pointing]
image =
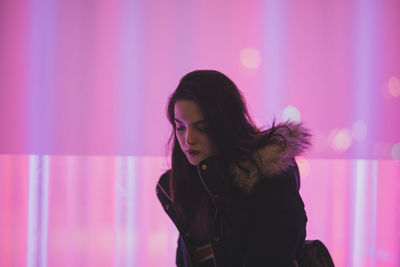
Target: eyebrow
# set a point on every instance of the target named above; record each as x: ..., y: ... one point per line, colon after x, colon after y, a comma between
x: 196, y: 122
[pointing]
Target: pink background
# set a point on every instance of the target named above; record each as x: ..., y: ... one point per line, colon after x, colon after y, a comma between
x: 83, y: 93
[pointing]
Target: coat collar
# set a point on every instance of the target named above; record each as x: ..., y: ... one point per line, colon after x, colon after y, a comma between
x: 273, y: 158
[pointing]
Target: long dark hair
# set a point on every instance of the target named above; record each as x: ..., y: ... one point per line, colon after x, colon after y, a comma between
x: 231, y: 131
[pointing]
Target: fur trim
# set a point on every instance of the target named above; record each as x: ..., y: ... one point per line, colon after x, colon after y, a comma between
x: 274, y: 158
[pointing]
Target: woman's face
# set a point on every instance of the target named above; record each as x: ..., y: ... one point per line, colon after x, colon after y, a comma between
x: 191, y: 131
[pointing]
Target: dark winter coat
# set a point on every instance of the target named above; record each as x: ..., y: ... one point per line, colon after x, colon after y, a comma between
x: 276, y: 229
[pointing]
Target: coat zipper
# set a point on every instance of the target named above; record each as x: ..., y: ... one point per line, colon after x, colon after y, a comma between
x: 209, y: 192
x: 215, y: 206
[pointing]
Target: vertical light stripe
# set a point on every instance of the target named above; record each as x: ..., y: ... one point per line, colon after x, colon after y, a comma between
x: 38, y: 211
x: 366, y: 21
x: 41, y: 73
x: 32, y: 211
x: 374, y: 210
x: 132, y: 62
x: 360, y: 175
x: 130, y: 212
x: 44, y: 203
x: 275, y: 56
x: 125, y: 249
x: 366, y: 70
x: 119, y: 191
x: 365, y: 212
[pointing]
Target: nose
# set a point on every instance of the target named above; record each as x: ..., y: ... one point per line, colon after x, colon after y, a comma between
x: 191, y: 137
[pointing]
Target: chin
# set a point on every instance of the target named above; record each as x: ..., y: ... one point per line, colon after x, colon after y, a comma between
x: 195, y: 162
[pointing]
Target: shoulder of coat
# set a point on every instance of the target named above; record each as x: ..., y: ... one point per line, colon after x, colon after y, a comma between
x: 273, y: 159
x: 163, y: 185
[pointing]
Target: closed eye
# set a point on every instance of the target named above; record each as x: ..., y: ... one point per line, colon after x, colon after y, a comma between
x: 180, y: 128
x: 200, y: 129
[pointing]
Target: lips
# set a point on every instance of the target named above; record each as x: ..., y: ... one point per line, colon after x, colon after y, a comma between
x: 192, y: 152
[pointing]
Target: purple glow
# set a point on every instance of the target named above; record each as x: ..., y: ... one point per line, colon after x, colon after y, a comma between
x: 83, y: 92
x: 102, y: 210
x: 94, y: 79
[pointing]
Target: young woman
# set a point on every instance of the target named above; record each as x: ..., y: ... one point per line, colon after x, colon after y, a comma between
x: 232, y: 190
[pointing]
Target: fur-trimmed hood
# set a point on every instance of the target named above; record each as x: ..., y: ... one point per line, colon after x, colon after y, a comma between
x: 274, y: 158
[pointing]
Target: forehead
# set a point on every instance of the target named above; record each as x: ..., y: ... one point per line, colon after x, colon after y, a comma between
x: 187, y: 111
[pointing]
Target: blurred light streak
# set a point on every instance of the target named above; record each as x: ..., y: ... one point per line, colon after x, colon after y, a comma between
x: 364, y: 227
x: 126, y: 246
x: 366, y: 56
x: 129, y: 120
x: 374, y: 211
x: 359, y: 174
x: 38, y: 211
x: 275, y: 56
x: 41, y: 74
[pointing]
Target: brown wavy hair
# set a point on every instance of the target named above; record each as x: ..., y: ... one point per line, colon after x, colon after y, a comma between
x: 234, y: 135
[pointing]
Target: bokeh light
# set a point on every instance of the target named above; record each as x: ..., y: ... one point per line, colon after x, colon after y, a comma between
x: 396, y: 152
x: 394, y: 86
x: 341, y: 140
x: 359, y: 130
x: 93, y: 78
x: 250, y: 58
x: 291, y: 113
x: 382, y: 150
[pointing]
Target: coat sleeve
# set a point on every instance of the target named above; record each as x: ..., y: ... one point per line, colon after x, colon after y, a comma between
x: 179, y: 254
x: 277, y: 222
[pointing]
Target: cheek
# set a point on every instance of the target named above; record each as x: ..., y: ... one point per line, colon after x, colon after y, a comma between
x: 210, y: 147
x: 206, y: 144
x: 179, y: 138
